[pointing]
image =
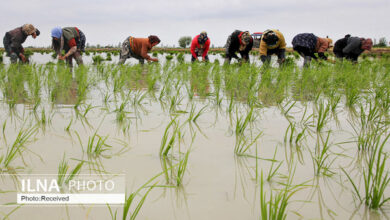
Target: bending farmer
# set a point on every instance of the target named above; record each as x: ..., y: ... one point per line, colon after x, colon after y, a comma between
x: 70, y: 39
x: 351, y: 47
x: 241, y: 42
x: 200, y: 47
x: 138, y: 48
x: 272, y: 42
x: 14, y: 39
x: 307, y: 44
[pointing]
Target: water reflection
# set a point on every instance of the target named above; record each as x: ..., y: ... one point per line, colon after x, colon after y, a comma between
x: 65, y: 93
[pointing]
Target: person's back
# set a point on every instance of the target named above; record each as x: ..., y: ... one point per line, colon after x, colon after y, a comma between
x: 235, y: 43
x: 18, y: 37
x: 70, y: 33
x: 340, y: 44
x: 138, y: 48
x: 353, y: 46
x: 141, y: 47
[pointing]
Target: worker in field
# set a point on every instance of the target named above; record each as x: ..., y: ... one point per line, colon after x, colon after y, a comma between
x: 71, y: 40
x: 138, y: 48
x: 351, y: 47
x: 238, y: 41
x: 14, y: 39
x: 272, y: 42
x: 308, y: 44
x: 200, y: 47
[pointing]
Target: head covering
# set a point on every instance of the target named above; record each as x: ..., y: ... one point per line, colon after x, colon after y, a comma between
x: 56, y: 32
x: 330, y: 41
x: 28, y: 29
x: 270, y: 37
x: 154, y: 39
x: 245, y: 37
x: 367, y: 44
x: 202, y: 37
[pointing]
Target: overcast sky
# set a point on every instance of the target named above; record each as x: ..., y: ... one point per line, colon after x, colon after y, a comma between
x: 111, y: 21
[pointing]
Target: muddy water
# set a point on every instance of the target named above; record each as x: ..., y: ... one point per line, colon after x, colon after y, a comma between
x: 217, y: 184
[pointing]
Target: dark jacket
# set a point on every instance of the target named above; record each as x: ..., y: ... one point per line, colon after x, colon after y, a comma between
x: 340, y: 45
x: 306, y: 40
x: 15, y: 39
x: 354, y: 46
x: 349, y: 47
x: 233, y: 46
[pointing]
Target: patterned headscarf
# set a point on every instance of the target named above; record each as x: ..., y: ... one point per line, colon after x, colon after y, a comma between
x: 154, y: 39
x: 28, y: 29
x: 270, y: 37
x: 245, y: 38
x: 366, y: 44
x: 202, y: 37
x: 56, y: 32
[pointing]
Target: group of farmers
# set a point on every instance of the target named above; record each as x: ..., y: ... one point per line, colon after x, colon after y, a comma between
x: 72, y: 41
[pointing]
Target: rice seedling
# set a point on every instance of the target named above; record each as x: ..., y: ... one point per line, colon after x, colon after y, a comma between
x: 137, y: 101
x: 273, y: 171
x: 193, y: 116
x: 369, y: 126
x: 243, y: 142
x: 286, y: 108
x: 16, y: 150
x: 321, y: 156
x: 175, y: 169
x: 275, y: 205
x: 180, y: 58
x: 54, y: 55
x: 28, y: 54
x: 97, y: 146
x: 322, y: 115
x: 97, y: 59
x: 292, y: 135
x: 375, y: 176
x: 181, y: 169
x: 168, y: 57
x: 130, y: 200
x: 108, y: 57
x: 63, y: 177
x: 167, y: 145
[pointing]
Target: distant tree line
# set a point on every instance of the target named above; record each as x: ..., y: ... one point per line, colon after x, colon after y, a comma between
x: 381, y: 43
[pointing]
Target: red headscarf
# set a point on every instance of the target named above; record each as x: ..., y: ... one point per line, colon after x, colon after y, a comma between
x: 366, y: 44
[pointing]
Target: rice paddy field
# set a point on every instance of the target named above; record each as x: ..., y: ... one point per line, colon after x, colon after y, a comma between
x: 202, y: 140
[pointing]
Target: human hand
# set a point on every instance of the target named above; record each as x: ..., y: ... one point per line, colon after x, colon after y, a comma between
x: 24, y: 59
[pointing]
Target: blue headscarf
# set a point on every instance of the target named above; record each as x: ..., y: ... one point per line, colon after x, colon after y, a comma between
x: 56, y: 32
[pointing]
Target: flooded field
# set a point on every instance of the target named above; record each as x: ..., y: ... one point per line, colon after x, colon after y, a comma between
x: 203, y: 140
